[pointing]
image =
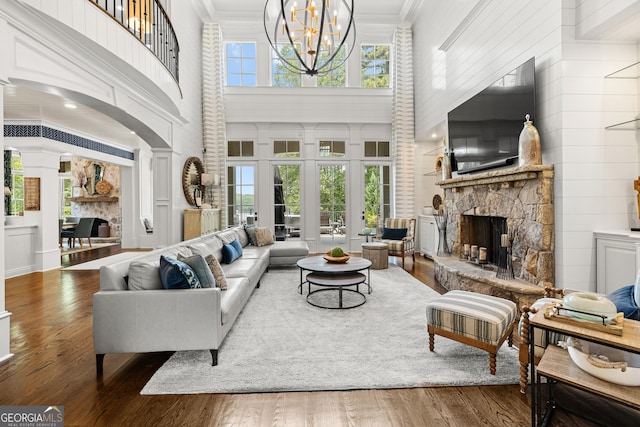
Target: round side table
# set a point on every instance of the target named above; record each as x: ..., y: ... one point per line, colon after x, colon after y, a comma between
x: 377, y: 253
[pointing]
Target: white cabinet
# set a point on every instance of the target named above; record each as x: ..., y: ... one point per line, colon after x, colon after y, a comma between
x: 617, y: 255
x: 427, y: 235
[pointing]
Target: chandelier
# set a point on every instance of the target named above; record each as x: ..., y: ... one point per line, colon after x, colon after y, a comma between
x: 319, y: 38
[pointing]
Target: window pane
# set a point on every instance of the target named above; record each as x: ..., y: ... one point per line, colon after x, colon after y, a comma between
x: 247, y: 148
x: 279, y: 147
x: 248, y: 65
x: 339, y: 147
x: 294, y: 147
x: 234, y: 80
x: 233, y: 50
x: 249, y: 50
x: 248, y: 80
x: 325, y: 148
x: 369, y: 148
x: 233, y: 65
x: 233, y: 149
x: 383, y: 149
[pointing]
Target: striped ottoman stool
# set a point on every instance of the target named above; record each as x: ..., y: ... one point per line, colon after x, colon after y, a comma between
x: 478, y: 320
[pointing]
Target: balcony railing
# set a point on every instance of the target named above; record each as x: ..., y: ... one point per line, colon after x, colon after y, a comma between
x: 149, y: 23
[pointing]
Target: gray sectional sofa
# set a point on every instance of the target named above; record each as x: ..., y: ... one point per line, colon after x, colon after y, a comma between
x: 133, y: 313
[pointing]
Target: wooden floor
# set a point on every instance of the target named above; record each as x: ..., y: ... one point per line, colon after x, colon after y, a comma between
x: 54, y: 364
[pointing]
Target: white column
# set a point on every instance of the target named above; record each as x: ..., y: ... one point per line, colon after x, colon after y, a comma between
x: 39, y: 163
x: 4, y: 314
x: 166, y: 225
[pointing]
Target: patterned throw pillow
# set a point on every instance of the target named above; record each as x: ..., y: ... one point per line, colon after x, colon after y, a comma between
x: 217, y: 271
x: 264, y: 236
x: 176, y: 274
x: 199, y: 265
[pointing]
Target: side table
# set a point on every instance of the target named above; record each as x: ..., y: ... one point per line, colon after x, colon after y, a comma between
x: 377, y: 253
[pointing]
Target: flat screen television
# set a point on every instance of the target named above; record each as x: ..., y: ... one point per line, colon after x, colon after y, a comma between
x: 484, y: 131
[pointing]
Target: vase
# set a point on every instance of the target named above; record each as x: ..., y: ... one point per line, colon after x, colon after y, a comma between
x: 446, y: 166
x: 529, y: 145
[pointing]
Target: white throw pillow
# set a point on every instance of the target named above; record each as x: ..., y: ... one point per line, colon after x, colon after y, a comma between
x: 144, y: 276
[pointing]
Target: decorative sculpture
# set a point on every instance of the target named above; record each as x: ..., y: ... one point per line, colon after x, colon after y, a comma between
x: 529, y: 145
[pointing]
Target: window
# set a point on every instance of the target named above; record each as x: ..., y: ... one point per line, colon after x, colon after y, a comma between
x: 17, y: 185
x: 375, y: 66
x: 281, y: 75
x: 240, y: 148
x: 286, y: 148
x: 332, y: 149
x: 240, y: 193
x: 337, y: 77
x: 241, y: 64
x: 376, y: 149
x: 65, y: 193
x: 377, y: 194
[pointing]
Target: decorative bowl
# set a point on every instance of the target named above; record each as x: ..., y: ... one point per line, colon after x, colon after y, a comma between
x: 590, y: 302
x: 336, y: 260
x: 605, y: 362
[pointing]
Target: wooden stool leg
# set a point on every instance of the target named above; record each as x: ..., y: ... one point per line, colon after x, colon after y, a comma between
x: 492, y: 362
x: 431, y: 336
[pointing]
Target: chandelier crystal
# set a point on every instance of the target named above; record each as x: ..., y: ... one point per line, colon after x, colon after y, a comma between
x: 321, y: 36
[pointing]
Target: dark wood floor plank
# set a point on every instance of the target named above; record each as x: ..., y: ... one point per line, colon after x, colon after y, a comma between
x: 54, y: 364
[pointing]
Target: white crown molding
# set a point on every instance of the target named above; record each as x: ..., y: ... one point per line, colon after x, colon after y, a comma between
x: 462, y: 27
x: 410, y: 11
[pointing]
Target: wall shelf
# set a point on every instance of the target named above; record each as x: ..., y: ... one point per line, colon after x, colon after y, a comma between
x: 629, y: 72
x: 93, y: 199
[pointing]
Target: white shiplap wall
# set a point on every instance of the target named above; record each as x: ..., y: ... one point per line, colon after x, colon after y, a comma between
x: 594, y: 169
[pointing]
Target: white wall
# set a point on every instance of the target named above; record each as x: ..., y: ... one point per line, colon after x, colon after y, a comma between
x: 594, y: 169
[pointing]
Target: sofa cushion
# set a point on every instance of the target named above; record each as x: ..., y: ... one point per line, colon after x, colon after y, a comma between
x: 264, y: 236
x: 289, y: 248
x: 218, y: 272
x: 624, y: 300
x: 176, y: 274
x: 230, y: 252
x: 201, y: 268
x: 234, y: 299
x: 251, y: 233
x: 228, y: 235
x: 243, y: 238
x: 394, y: 233
x: 144, y: 276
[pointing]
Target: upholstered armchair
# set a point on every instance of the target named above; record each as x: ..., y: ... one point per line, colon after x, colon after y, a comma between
x: 399, y: 235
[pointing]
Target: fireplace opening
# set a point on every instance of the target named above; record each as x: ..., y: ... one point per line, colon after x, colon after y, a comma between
x: 484, y: 231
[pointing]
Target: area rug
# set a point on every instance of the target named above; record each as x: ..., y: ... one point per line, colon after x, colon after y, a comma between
x: 96, y: 264
x: 65, y: 250
x: 281, y: 343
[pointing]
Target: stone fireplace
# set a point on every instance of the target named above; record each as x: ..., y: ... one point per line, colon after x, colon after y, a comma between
x: 480, y: 208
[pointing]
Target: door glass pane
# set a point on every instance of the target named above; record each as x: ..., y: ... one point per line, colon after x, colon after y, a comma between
x: 333, y: 202
x: 377, y: 195
x: 241, y: 194
x: 286, y: 181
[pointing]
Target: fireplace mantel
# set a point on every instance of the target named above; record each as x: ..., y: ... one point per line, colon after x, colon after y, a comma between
x: 510, y: 175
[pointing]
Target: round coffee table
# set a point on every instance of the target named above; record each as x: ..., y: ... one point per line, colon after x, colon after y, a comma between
x: 327, y: 272
x: 329, y: 283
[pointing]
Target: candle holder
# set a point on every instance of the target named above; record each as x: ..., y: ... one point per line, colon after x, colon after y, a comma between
x: 441, y: 222
x: 505, y: 263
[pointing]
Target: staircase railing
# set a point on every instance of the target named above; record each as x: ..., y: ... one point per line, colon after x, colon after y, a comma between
x: 147, y: 21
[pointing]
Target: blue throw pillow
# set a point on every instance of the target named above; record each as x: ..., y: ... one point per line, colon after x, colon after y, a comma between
x: 230, y: 253
x: 394, y: 233
x: 238, y: 247
x: 625, y: 303
x: 176, y: 274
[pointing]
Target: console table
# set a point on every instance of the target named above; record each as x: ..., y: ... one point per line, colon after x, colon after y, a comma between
x: 557, y: 366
